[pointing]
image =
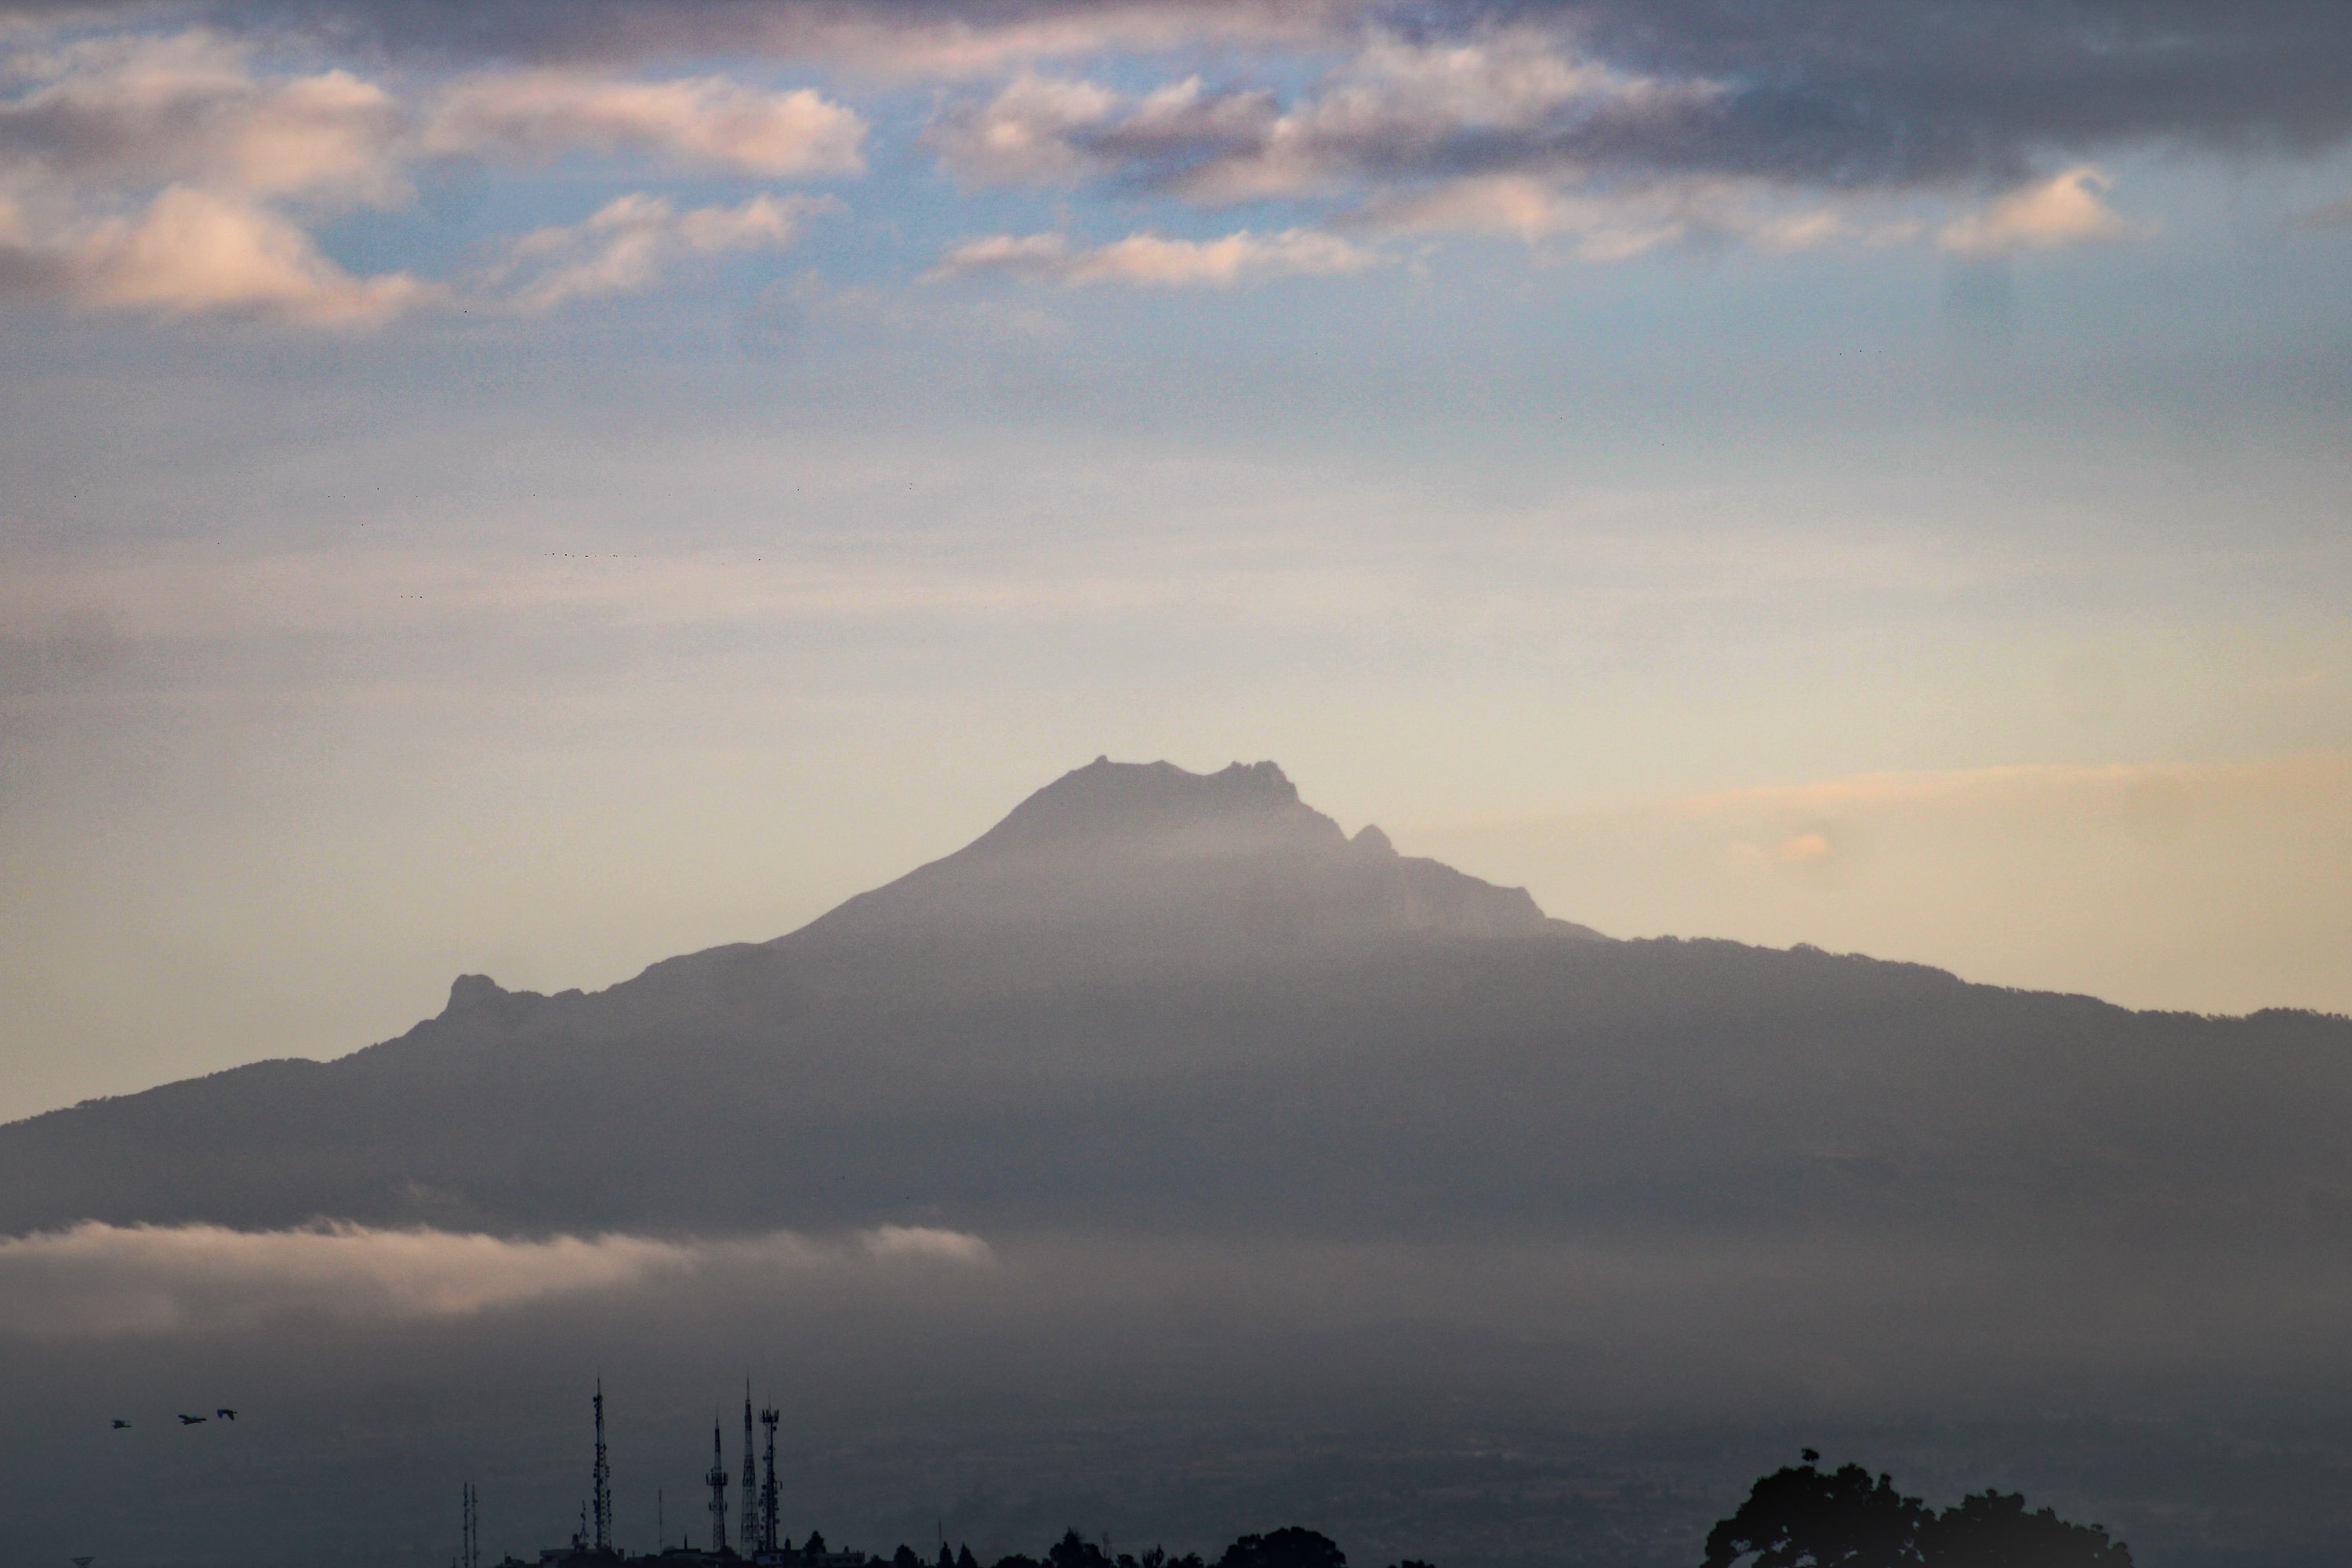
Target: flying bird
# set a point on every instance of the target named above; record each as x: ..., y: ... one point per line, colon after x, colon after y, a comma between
x: 120, y: 1424
x: 192, y: 1420
x: 225, y: 1414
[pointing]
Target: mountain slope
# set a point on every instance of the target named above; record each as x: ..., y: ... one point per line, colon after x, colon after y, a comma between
x: 1155, y: 1000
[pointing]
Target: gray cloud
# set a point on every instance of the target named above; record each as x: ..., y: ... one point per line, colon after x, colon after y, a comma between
x: 1942, y: 89
x: 1815, y: 90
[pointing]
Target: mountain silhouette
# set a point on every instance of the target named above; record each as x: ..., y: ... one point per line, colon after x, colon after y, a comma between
x: 1137, y: 868
x: 1161, y: 1001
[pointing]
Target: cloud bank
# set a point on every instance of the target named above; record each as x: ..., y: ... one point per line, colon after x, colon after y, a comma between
x: 105, y: 1279
x: 130, y: 137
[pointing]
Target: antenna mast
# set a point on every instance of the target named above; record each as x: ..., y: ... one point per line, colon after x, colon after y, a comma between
x: 602, y: 1479
x: 768, y: 1500
x: 717, y: 1481
x: 748, y: 1535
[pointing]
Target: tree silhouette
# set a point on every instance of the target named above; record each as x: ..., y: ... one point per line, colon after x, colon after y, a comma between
x: 1799, y: 1517
x: 1291, y: 1547
x: 1074, y: 1550
x: 1991, y: 1530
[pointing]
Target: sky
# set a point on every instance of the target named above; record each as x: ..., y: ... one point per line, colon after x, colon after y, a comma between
x: 538, y: 487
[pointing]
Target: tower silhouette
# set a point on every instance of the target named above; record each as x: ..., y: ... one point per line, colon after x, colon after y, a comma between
x: 717, y: 1481
x: 747, y: 1535
x: 602, y: 1481
x: 770, y: 1540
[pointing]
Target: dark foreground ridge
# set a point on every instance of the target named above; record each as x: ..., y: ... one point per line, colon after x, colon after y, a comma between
x: 1292, y: 1546
x: 1799, y: 1516
x: 1161, y: 1002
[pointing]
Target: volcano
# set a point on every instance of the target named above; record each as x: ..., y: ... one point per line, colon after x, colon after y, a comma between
x: 1152, y: 1000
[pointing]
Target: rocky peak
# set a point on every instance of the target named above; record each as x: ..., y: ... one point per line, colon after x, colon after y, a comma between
x: 1146, y: 804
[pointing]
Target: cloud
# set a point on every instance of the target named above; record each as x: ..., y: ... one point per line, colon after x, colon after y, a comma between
x: 925, y: 1242
x: 1621, y: 225
x: 695, y: 122
x: 168, y: 174
x: 945, y: 38
x: 1396, y: 110
x: 1151, y: 260
x: 1820, y: 91
x: 1911, y: 93
x: 631, y: 241
x: 140, y: 112
x: 197, y: 252
x: 1509, y: 129
x: 102, y: 1280
x: 2068, y: 208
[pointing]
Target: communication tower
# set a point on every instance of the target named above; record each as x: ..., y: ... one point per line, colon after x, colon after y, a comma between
x: 747, y: 1534
x: 770, y: 1540
x: 717, y: 1481
x: 602, y: 1479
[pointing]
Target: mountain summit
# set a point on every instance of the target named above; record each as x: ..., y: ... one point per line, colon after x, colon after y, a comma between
x: 1123, y: 864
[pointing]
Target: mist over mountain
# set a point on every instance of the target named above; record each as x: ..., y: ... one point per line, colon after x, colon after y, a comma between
x: 1151, y: 1001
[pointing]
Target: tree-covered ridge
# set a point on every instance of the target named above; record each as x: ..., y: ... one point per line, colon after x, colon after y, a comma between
x: 1290, y: 1547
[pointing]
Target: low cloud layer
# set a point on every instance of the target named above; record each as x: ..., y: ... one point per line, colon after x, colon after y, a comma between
x: 104, y: 1279
x: 1475, y: 1404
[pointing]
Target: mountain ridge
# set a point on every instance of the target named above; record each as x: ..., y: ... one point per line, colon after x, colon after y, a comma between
x: 1235, y: 1016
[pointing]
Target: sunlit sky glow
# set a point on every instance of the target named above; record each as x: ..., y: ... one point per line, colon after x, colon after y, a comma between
x: 536, y: 488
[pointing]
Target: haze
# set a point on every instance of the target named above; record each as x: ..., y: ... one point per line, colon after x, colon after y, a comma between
x: 526, y: 491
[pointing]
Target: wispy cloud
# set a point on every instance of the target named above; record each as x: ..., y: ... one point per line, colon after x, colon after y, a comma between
x: 2068, y: 208
x: 926, y: 1242
x: 631, y: 241
x: 97, y: 1279
x: 693, y: 122
x: 1619, y: 226
x: 1155, y: 262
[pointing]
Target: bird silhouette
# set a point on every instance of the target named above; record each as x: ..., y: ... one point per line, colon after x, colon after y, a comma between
x: 120, y: 1424
x: 225, y: 1414
x: 192, y: 1420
